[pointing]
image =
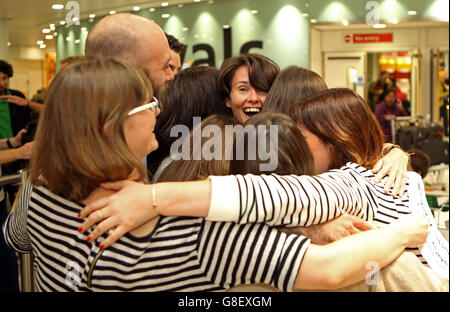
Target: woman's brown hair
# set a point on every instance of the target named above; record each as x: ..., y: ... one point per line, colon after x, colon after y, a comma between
x: 293, y: 154
x: 262, y: 71
x: 342, y: 120
x: 80, y: 140
x: 292, y: 83
x: 191, y: 169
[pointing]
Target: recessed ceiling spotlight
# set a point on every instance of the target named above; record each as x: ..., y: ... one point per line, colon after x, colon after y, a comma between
x: 43, y: 46
x: 164, y: 4
x: 112, y: 12
x: 49, y: 37
x: 313, y: 20
x: 185, y: 29
x: 165, y: 15
x: 412, y: 12
x: 180, y: 5
x: 45, y: 31
x: 68, y: 39
x: 136, y: 8
x: 9, y: 43
x: 39, y: 42
x: 305, y: 14
x: 254, y: 11
x: 345, y: 22
x: 226, y: 26
x: 379, y: 26
x: 394, y: 20
x: 92, y: 15
x: 58, y: 6
x: 77, y: 41
x: 152, y: 9
x: 62, y: 22
x: 197, y: 0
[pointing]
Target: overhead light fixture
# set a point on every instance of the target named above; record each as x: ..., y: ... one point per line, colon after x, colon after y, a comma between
x: 180, y: 5
x: 58, y: 6
x: 313, y: 20
x: 52, y: 26
x: 49, y: 37
x: 9, y: 43
x: 43, y: 46
x: 165, y: 15
x: 379, y: 25
x: 185, y: 29
x: 39, y: 42
x: 412, y: 12
x: 305, y: 14
x: 136, y: 8
x: 345, y: 22
x: 254, y: 11
x: 55, y: 34
x: 45, y: 31
x: 84, y: 29
x: 75, y: 19
x: 394, y: 20
x: 92, y: 15
x: 112, y: 12
x: 62, y: 22
x: 77, y: 41
x: 68, y: 39
x: 197, y: 0
x: 226, y: 26
x: 164, y: 4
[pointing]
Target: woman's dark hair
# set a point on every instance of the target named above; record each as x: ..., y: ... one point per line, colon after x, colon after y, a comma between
x: 293, y: 153
x: 343, y: 121
x: 6, y: 68
x: 292, y: 83
x: 193, y: 93
x: 387, y: 91
x: 262, y: 71
x: 192, y: 169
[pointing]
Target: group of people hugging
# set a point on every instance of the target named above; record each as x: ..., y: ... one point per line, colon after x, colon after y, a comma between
x: 108, y: 208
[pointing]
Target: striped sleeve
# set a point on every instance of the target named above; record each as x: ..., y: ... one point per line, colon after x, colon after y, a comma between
x: 232, y: 254
x: 15, y: 228
x: 289, y: 200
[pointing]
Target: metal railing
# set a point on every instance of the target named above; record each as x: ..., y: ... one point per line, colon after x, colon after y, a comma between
x: 26, y: 272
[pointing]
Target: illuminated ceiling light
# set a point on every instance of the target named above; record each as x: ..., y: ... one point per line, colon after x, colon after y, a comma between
x: 412, y: 12
x: 39, y: 42
x: 52, y: 26
x: 68, y: 39
x: 313, y: 20
x: 345, y: 22
x: 136, y: 8
x: 379, y: 26
x: 62, y: 22
x: 91, y: 20
x: 210, y: 1
x: 305, y: 14
x: 75, y: 19
x: 9, y: 43
x: 49, y: 37
x: 55, y: 34
x: 197, y: 0
x: 152, y: 9
x: 45, y: 31
x: 43, y: 46
x: 226, y: 26
x: 180, y: 5
x: 254, y: 11
x: 84, y: 29
x: 77, y: 41
x: 58, y: 6
x: 165, y: 15
x: 394, y: 20
x: 92, y: 15
x: 185, y: 29
x: 164, y: 4
x: 391, y: 61
x: 112, y: 12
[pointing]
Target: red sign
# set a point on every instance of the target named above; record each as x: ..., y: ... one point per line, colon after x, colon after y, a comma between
x: 369, y: 38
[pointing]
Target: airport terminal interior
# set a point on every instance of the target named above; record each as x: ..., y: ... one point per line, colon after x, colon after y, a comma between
x: 390, y: 55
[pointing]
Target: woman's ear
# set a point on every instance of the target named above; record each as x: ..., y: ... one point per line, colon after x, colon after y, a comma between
x: 228, y: 102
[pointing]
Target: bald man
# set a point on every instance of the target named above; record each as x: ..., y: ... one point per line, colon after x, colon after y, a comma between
x: 134, y: 39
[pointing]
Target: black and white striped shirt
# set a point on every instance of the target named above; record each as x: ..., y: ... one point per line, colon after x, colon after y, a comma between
x: 306, y: 200
x: 180, y: 254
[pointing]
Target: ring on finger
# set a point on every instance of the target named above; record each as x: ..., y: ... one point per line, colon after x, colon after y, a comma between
x: 100, y: 214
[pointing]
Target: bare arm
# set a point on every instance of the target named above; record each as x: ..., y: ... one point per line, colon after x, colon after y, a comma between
x: 343, y: 262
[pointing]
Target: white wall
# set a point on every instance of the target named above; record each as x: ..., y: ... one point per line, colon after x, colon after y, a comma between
x: 424, y: 38
x: 28, y: 76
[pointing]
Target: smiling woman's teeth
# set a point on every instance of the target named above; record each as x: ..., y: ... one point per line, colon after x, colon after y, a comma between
x: 252, y: 111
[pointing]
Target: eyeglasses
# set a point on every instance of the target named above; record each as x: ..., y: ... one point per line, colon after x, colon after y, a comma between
x: 153, y: 106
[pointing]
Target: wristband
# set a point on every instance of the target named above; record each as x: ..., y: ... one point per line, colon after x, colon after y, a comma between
x: 28, y: 103
x: 9, y: 143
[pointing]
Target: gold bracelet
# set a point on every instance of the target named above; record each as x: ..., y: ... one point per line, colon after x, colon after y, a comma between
x: 155, y: 206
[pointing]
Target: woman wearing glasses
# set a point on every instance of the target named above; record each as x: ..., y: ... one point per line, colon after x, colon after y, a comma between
x: 112, y: 131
